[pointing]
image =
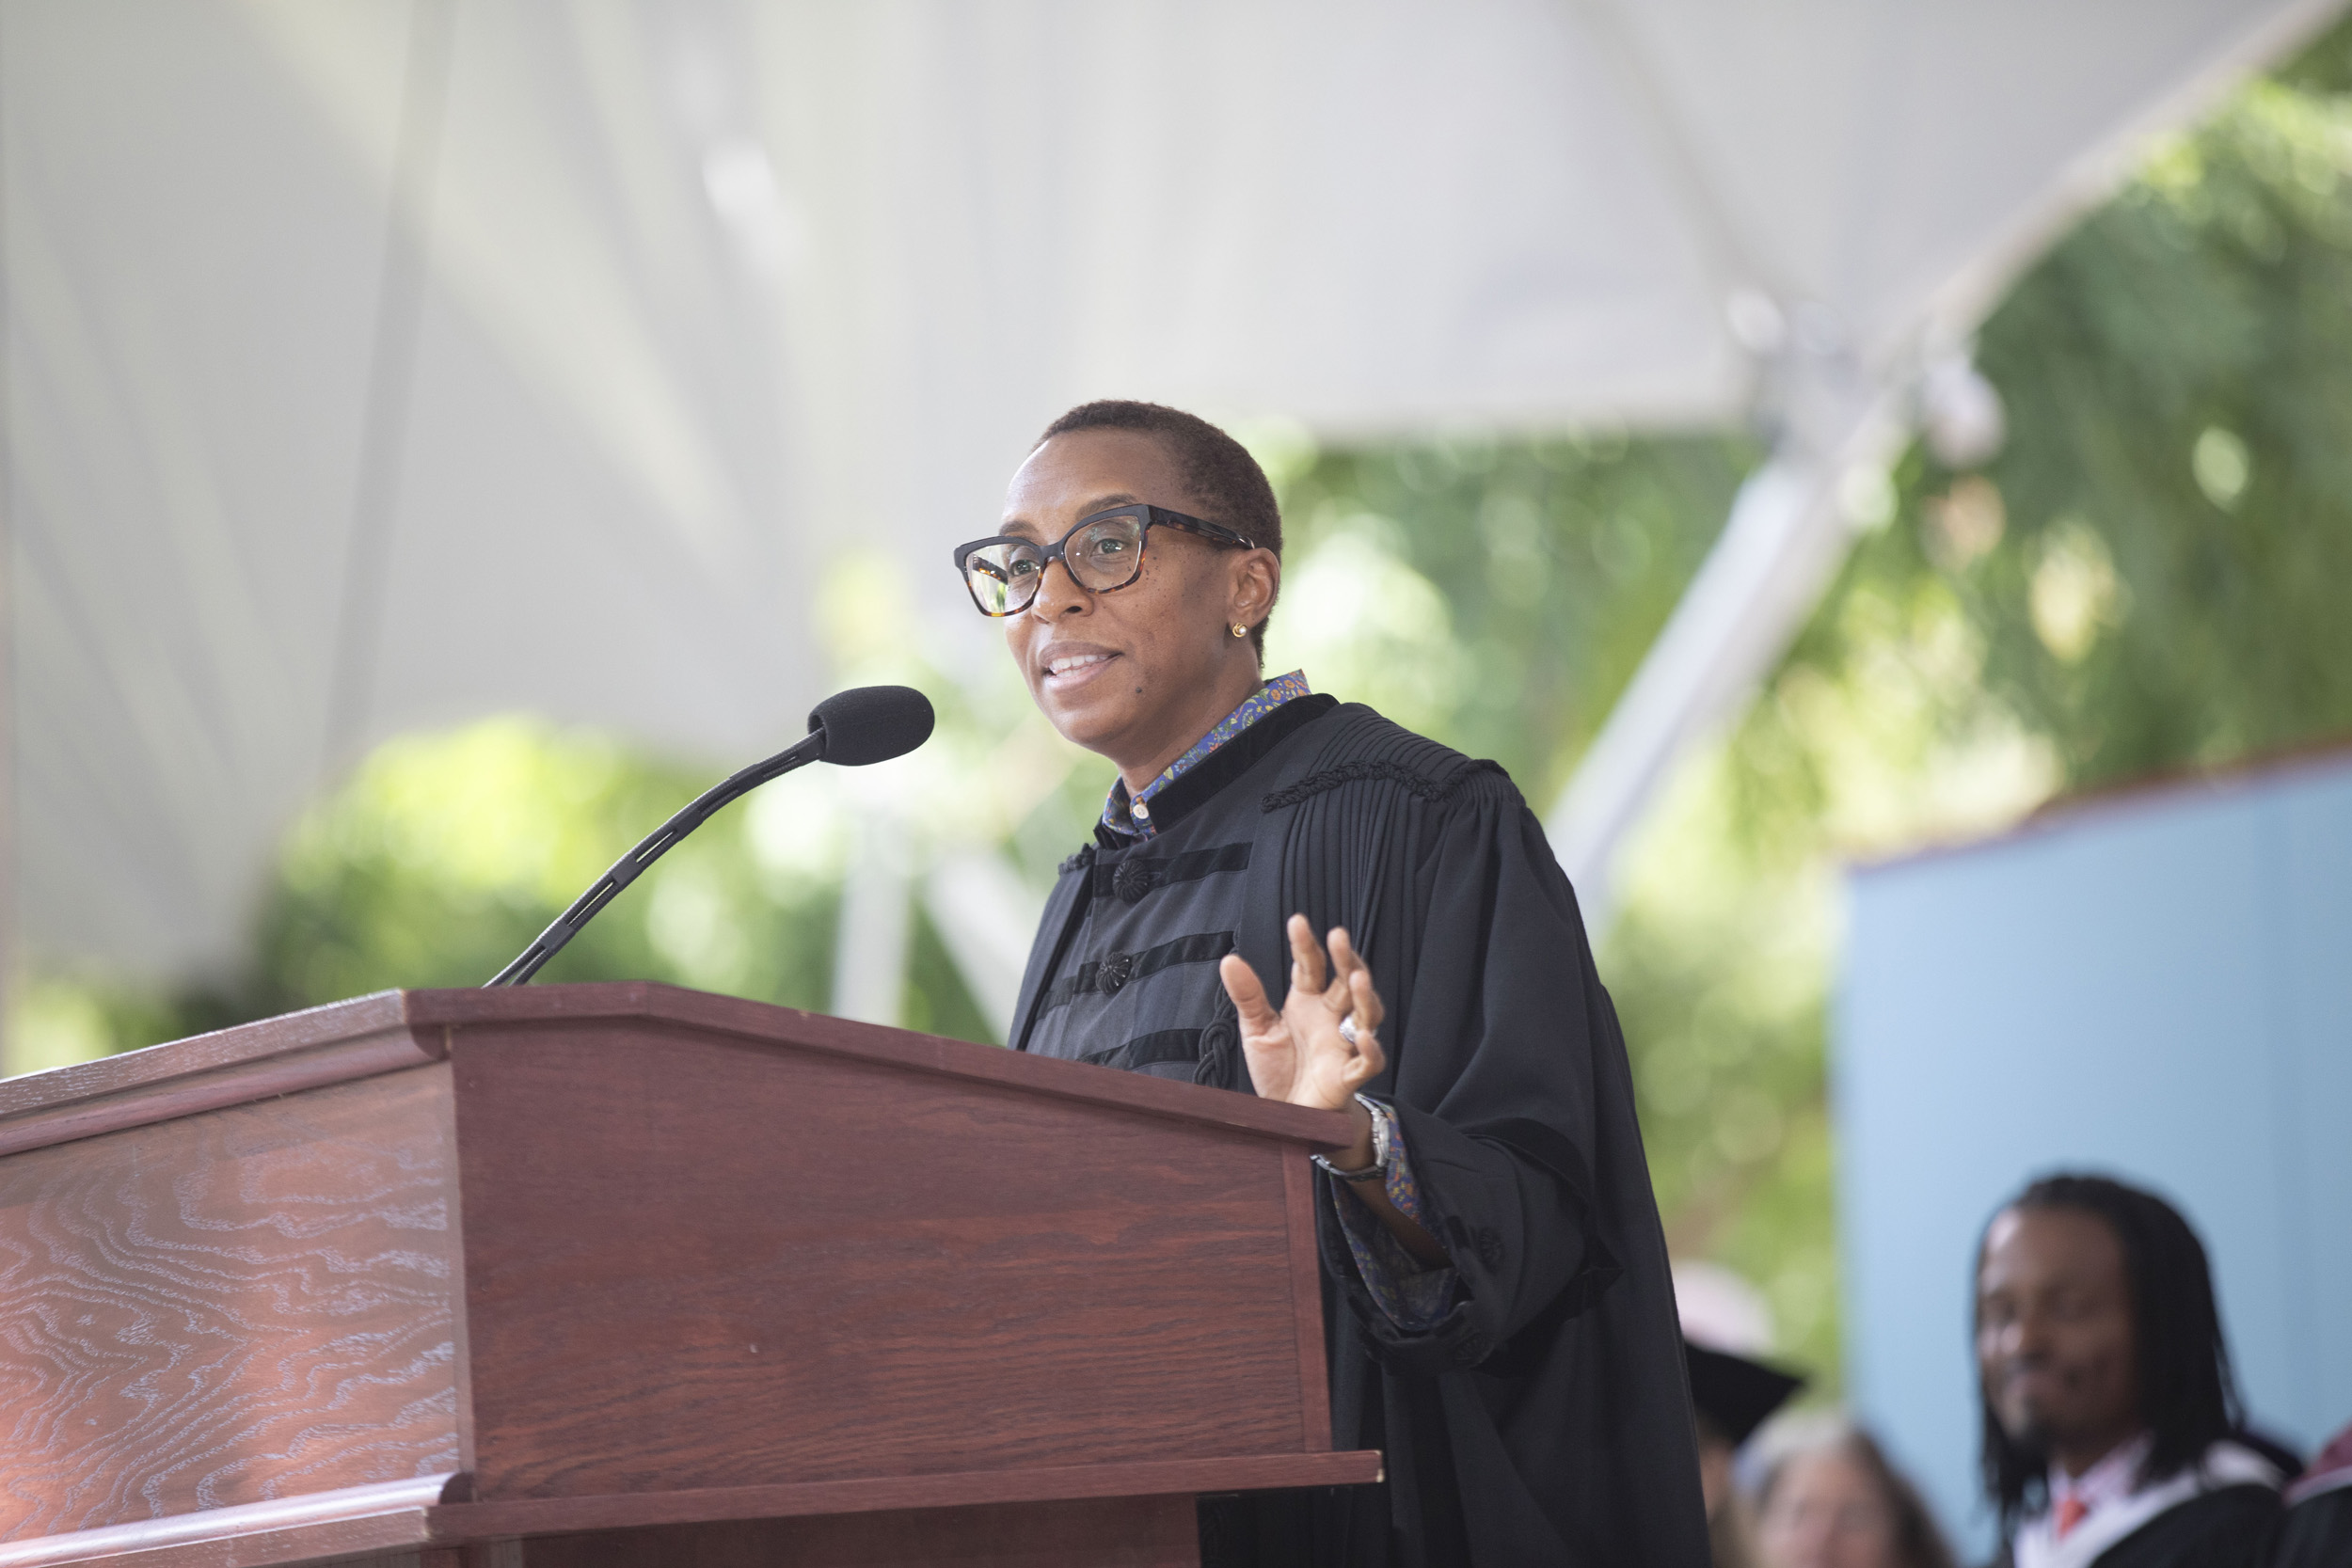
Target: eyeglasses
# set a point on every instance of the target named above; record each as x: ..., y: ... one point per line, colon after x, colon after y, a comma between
x: 1104, y: 553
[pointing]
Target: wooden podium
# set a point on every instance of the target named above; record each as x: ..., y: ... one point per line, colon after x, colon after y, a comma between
x: 628, y: 1275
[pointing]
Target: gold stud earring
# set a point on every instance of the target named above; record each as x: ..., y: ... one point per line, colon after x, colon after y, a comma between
x: 1240, y: 630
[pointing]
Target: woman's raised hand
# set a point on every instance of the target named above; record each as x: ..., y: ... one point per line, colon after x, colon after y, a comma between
x: 1320, y: 1048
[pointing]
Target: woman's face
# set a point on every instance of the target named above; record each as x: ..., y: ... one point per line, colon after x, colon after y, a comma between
x: 1826, y: 1512
x: 1141, y: 672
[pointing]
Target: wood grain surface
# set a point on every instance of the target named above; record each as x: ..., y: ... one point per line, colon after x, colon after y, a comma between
x: 278, y: 1550
x: 1123, y: 1532
x: 350, y: 1039
x: 465, y: 1522
x: 229, y: 1307
x: 347, y: 1521
x: 1299, y: 1197
x: 407, y: 1524
x: 694, y: 1261
x: 340, y: 1546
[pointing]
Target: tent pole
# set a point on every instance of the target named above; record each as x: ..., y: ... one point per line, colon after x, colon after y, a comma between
x: 392, y: 372
x: 985, y: 914
x: 1787, y: 534
x: 869, y: 961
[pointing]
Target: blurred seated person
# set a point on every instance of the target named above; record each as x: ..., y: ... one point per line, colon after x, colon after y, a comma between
x: 2317, y: 1530
x: 1726, y: 1325
x: 2112, y: 1432
x: 1827, y: 1498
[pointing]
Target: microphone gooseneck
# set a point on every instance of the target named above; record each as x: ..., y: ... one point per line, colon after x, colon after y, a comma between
x: 850, y: 729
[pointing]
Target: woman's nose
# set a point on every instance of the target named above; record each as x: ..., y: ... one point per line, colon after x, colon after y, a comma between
x: 1058, y: 593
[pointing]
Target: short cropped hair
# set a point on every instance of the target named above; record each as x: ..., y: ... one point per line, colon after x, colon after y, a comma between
x: 1225, y: 481
x: 2187, y: 1393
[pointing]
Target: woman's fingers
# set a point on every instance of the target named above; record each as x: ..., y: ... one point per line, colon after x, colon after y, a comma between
x: 1242, y: 984
x: 1299, y: 1054
x: 1305, y: 955
x: 1266, y: 1046
x: 1353, y: 976
x: 1364, y: 1001
x: 1328, y: 994
x: 1335, y: 994
x: 1362, y: 997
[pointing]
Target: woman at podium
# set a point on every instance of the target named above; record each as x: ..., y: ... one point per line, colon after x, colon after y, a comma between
x: 1295, y: 897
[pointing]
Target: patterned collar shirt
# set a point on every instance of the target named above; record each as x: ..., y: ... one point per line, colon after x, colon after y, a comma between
x: 1130, y: 816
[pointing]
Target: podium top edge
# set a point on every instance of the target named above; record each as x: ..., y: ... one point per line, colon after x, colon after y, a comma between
x: 380, y: 1017
x: 391, y: 1030
x: 903, y: 1049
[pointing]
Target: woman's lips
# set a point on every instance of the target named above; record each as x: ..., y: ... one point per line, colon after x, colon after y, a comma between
x: 1067, y: 671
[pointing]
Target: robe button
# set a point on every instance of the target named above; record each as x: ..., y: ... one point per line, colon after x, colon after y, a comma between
x: 1131, y: 881
x: 1115, y: 972
x: 1489, y: 1242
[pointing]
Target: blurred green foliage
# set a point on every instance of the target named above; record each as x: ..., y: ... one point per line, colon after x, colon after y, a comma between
x: 2151, y: 575
x: 444, y: 854
x: 2170, y: 560
x: 1495, y: 594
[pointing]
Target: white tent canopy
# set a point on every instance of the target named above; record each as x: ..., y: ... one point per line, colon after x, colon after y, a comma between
x: 378, y: 363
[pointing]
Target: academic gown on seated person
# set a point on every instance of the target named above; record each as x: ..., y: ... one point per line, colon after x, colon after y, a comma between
x: 1545, y: 1418
x: 2317, y: 1530
x: 2224, y: 1528
x: 2219, y: 1514
x: 2316, y: 1533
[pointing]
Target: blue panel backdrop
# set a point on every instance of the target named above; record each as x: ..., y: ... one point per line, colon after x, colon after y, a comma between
x: 2157, y: 985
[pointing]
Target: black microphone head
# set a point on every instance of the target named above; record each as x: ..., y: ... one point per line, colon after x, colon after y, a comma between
x: 871, y: 724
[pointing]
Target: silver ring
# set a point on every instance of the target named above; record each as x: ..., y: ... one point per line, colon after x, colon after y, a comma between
x: 1347, y: 1028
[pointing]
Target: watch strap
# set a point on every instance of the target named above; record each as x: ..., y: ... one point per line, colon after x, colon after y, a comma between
x: 1383, y: 1148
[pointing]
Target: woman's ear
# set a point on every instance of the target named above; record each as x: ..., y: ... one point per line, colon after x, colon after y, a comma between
x: 1256, y: 578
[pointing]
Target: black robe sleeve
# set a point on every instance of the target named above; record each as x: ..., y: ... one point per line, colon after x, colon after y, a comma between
x: 2222, y: 1528
x: 2315, y: 1533
x: 1546, y: 1420
x: 1496, y: 1128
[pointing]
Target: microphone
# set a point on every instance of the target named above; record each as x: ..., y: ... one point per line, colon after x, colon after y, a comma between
x: 869, y: 724
x: 850, y: 729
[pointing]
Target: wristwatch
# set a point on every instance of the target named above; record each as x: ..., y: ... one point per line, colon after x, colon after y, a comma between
x: 1381, y: 1152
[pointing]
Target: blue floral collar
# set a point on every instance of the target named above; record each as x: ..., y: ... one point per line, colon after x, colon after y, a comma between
x: 1131, y: 815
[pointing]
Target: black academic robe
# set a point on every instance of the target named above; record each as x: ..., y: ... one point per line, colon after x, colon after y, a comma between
x: 2226, y: 1527
x: 1547, y: 1420
x: 2223, y: 1529
x: 2315, y: 1533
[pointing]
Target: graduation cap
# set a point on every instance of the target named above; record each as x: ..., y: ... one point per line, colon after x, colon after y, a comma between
x: 1734, y: 1393
x: 1725, y: 1323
